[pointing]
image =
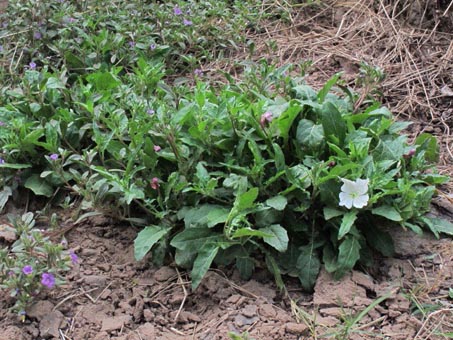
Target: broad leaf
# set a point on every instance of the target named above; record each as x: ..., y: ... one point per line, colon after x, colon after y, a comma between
x: 309, y: 134
x: 428, y: 143
x: 193, y: 239
x: 308, y: 266
x: 245, y: 267
x: 328, y: 85
x: 279, y: 238
x: 333, y: 123
x: 388, y: 212
x: 439, y: 225
x: 346, y: 223
x: 246, y: 232
x: 348, y: 255
x: 202, y: 263
x: 277, y: 202
x: 247, y: 199
x: 380, y: 240
x: 39, y: 186
x: 146, y: 239
x: 203, y: 215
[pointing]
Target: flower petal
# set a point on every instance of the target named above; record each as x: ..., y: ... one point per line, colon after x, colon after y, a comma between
x: 360, y: 201
x: 348, y: 186
x: 362, y: 186
x: 346, y: 200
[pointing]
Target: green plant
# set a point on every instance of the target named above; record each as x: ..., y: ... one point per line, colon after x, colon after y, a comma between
x: 32, y: 263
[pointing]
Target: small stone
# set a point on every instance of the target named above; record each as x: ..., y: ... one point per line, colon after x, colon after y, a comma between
x: 164, y: 274
x: 7, y: 233
x: 267, y: 311
x: 96, y: 280
x: 148, y: 315
x: 240, y: 320
x: 296, y: 328
x: 114, y: 323
x: 233, y: 299
x: 192, y: 317
x: 146, y: 331
x: 176, y: 299
x: 249, y: 311
x: 105, y: 267
x: 40, y: 309
x: 50, y: 325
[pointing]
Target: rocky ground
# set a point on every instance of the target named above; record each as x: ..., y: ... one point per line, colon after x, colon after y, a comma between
x: 109, y: 295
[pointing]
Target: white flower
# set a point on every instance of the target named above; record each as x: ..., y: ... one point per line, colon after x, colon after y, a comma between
x: 354, y: 193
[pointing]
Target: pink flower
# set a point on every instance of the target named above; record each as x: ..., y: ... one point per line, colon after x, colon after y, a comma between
x: 157, y: 148
x: 266, y: 117
x: 155, y: 183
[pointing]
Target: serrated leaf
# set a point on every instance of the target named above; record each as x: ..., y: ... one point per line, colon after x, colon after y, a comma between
x: 279, y: 238
x: 346, y: 223
x: 202, y: 263
x: 308, y: 266
x: 39, y: 186
x: 309, y: 134
x: 388, y: 212
x: 247, y: 199
x: 146, y: 239
x: 277, y: 202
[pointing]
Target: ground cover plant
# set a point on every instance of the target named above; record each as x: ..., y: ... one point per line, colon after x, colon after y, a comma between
x: 262, y: 171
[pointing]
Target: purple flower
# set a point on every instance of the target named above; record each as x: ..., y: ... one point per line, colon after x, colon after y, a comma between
x: 2, y: 123
x: 32, y: 65
x: 187, y: 22
x: 152, y: 47
x: 74, y: 257
x: 410, y: 153
x: 177, y: 10
x: 2, y: 161
x: 53, y: 156
x: 27, y: 270
x: 131, y: 44
x: 157, y: 148
x: 198, y: 72
x: 37, y: 35
x: 266, y: 117
x: 150, y: 112
x: 48, y: 280
x: 1, y: 48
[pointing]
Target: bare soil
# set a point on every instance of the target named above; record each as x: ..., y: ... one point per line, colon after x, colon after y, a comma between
x: 109, y: 295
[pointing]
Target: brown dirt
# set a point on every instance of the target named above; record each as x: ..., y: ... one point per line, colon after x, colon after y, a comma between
x: 109, y: 295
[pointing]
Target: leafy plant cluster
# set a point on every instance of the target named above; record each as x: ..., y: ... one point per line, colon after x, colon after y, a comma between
x: 98, y: 34
x: 251, y: 173
x: 33, y: 263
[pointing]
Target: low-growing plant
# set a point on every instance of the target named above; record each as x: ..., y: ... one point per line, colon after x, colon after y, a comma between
x: 33, y: 263
x: 263, y: 171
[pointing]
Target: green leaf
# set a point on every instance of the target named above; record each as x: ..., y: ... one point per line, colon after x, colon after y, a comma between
x: 203, y: 215
x: 193, y: 239
x: 146, y: 239
x: 333, y: 123
x: 245, y: 267
x: 389, y: 149
x: 380, y: 240
x: 246, y: 199
x: 348, y: 255
x: 4, y: 196
x: 202, y: 263
x: 328, y: 85
x: 39, y: 186
x: 277, y: 202
x: 246, y: 232
x: 346, y: 223
x: 428, y: 143
x: 440, y: 225
x: 279, y: 238
x: 388, y: 212
x: 330, y: 213
x: 309, y: 134
x: 308, y: 266
x: 14, y: 166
